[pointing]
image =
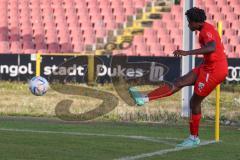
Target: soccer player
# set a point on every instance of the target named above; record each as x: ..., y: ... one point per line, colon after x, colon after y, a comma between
x: 205, y: 77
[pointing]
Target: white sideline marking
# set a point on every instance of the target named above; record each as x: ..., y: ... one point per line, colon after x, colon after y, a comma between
x: 145, y: 138
x: 162, y: 152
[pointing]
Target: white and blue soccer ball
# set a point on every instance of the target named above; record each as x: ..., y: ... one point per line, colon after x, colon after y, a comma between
x: 38, y: 86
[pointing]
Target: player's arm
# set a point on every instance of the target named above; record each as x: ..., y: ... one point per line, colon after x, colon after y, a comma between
x: 208, y: 48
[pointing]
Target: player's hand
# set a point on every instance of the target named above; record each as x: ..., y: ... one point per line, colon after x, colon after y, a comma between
x: 179, y: 53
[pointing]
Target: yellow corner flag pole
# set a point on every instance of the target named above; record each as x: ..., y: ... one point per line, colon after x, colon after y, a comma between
x: 91, y: 70
x: 38, y: 64
x: 217, y: 112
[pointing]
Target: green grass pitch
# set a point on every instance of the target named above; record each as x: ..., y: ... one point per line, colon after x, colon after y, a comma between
x: 44, y: 139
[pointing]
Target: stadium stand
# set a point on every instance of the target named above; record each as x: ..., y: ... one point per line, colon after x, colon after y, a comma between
x: 49, y: 26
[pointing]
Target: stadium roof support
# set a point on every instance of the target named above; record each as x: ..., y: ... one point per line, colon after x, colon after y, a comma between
x: 188, y: 62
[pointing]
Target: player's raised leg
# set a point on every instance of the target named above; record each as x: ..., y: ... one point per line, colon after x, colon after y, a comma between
x: 166, y: 89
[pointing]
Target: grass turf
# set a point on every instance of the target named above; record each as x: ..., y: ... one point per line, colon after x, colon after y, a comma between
x: 166, y: 109
x: 57, y: 144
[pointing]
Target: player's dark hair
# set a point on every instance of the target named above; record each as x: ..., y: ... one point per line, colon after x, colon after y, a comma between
x: 196, y: 15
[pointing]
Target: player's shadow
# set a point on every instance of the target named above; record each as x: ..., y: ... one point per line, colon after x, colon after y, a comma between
x: 62, y: 109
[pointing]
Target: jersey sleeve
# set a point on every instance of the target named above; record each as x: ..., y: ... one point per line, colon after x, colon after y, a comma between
x: 207, y: 36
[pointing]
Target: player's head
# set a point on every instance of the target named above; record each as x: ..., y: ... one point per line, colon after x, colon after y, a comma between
x: 196, y: 18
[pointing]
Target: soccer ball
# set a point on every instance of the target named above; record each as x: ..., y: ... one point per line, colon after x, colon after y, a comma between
x: 38, y: 86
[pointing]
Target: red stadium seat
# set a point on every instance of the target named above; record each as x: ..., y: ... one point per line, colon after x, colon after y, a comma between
x: 150, y: 36
x: 157, y: 24
x: 175, y: 32
x: 39, y: 38
x: 66, y: 48
x: 151, y: 40
x: 231, y: 16
x: 101, y: 32
x: 225, y: 40
x: 138, y: 39
x: 177, y: 17
x: 3, y: 34
x: 167, y: 17
x: 104, y: 4
x: 76, y: 32
x: 228, y: 48
x: 85, y: 23
x: 64, y: 37
x: 89, y: 39
x: 94, y: 11
x: 210, y: 2
x: 213, y: 9
x: 96, y: 19
x: 38, y: 29
x: 78, y: 47
x: 88, y: 32
x: 226, y: 9
x: 229, y: 32
x: 222, y: 2
x: 165, y: 40
x: 237, y: 51
x: 156, y: 49
x: 116, y: 3
x: 169, y: 49
x: 14, y: 37
x: 26, y: 29
x: 162, y: 32
x: 4, y: 47
x: 70, y: 12
x: 91, y: 3
x: 171, y: 24
x: 225, y: 24
x: 119, y: 17
x: 142, y: 50
x: 176, y: 9
x: 178, y: 40
x: 235, y: 24
x: 232, y: 55
x: 234, y: 2
x: 51, y: 37
x: 149, y: 32
x: 210, y: 16
x: 234, y: 40
x: 130, y: 51
x: 106, y: 13
x: 53, y: 47
x: 16, y: 47
x: 3, y: 20
x: 28, y: 47
x: 41, y: 47
x: 72, y: 22
x: 219, y: 17
x: 139, y: 3
x: 127, y: 3
x: 110, y: 25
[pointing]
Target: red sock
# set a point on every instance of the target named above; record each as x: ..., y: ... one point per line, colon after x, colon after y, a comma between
x: 194, y: 124
x: 163, y: 91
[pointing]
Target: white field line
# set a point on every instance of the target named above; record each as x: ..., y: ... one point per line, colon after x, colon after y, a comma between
x: 162, y: 152
x: 145, y: 138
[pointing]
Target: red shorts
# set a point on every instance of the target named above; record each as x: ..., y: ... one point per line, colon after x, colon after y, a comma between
x: 207, y: 81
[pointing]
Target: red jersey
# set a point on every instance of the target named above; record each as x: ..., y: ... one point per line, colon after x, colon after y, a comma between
x: 209, y: 34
